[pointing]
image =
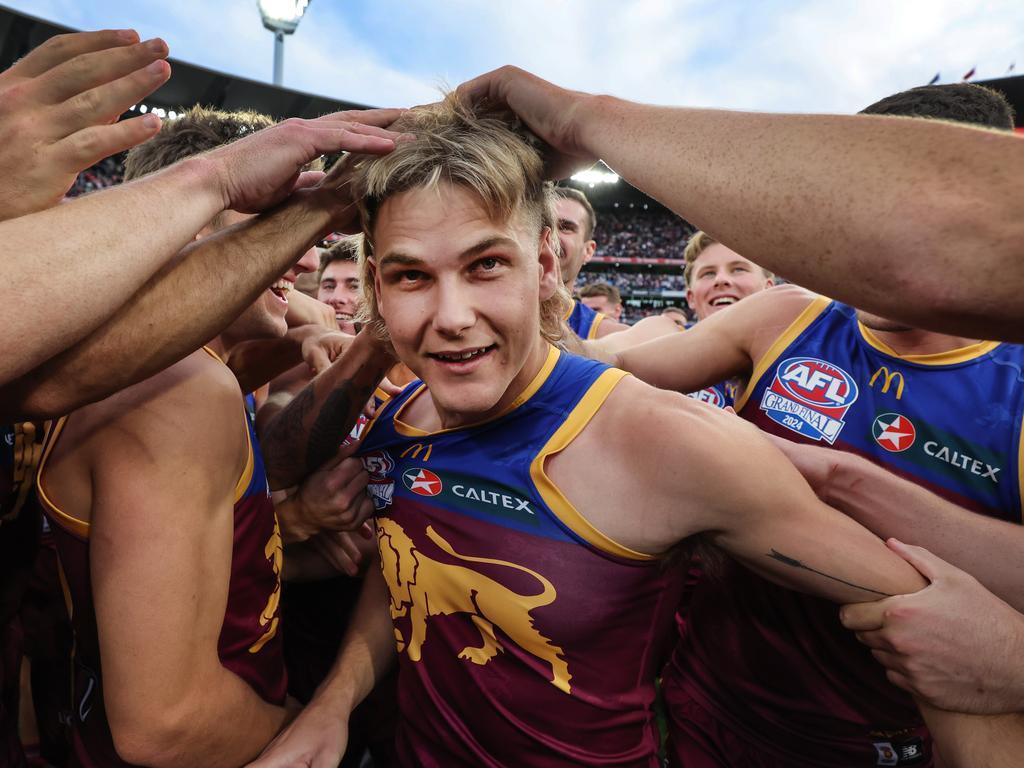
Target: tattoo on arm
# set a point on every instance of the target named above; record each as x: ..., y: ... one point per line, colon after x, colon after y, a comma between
x: 794, y: 563
x: 309, y: 430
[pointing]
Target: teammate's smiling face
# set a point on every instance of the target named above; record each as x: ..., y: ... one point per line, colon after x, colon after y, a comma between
x: 339, y: 287
x: 720, y: 278
x: 460, y: 295
x: 265, y: 317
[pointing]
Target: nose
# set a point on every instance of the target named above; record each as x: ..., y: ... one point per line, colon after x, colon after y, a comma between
x: 722, y: 277
x: 309, y: 262
x: 453, y: 312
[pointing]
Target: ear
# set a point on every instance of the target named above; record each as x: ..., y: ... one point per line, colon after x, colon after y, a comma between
x: 374, y: 275
x: 550, y: 275
x: 588, y: 251
x: 689, y: 297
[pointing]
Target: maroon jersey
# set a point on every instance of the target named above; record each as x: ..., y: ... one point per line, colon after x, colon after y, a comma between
x: 525, y: 636
x: 249, y: 644
x: 20, y: 449
x: 776, y: 666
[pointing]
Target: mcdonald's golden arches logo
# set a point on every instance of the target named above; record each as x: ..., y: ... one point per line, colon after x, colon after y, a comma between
x: 887, y: 379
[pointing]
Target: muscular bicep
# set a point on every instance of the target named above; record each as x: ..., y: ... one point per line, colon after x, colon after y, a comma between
x: 160, y: 551
x: 763, y: 513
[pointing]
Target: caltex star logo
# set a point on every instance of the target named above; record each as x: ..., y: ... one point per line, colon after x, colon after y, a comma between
x: 893, y: 432
x: 422, y: 482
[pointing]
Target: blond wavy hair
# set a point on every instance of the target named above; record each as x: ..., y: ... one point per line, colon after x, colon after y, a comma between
x: 487, y: 152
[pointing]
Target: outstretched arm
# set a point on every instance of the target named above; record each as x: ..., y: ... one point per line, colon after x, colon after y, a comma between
x: 189, y: 301
x: 824, y: 200
x: 892, y: 507
x: 103, y: 265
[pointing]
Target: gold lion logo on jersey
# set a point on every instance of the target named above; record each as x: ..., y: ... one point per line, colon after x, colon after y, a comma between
x: 421, y: 587
x: 274, y: 552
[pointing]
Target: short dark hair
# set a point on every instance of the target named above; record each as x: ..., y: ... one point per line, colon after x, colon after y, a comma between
x: 957, y: 102
x: 601, y: 289
x: 569, y: 193
x: 194, y: 131
x: 346, y: 249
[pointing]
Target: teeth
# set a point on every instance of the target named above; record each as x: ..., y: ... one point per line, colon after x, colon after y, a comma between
x: 283, y: 285
x: 461, y: 355
x: 724, y: 301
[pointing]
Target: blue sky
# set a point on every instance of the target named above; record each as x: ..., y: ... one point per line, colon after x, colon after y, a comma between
x: 786, y: 55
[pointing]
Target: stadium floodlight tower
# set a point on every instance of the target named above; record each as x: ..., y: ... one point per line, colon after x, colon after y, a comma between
x: 281, y: 17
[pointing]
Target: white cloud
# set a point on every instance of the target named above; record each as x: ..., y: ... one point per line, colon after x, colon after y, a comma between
x: 782, y: 55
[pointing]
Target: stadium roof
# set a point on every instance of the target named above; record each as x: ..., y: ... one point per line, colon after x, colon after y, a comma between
x: 189, y: 84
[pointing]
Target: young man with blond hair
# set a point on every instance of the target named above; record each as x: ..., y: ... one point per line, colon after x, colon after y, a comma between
x: 604, y: 298
x: 526, y: 609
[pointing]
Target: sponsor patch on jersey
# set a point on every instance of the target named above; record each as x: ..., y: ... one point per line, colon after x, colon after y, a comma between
x: 709, y: 395
x: 422, y: 482
x: 379, y: 465
x: 955, y: 457
x: 810, y: 397
x: 908, y: 752
x: 893, y: 432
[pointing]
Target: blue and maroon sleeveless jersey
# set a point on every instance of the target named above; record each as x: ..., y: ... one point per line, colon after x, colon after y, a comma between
x: 776, y: 665
x: 524, y: 634
x: 249, y: 643
x: 583, y: 320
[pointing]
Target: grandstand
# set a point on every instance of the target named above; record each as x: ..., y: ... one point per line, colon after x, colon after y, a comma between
x: 639, y: 243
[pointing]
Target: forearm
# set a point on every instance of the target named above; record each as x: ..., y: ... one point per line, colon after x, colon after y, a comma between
x: 224, y: 724
x: 966, y: 741
x: 113, y: 242
x: 257, y: 362
x: 308, y: 431
x: 825, y: 200
x: 367, y: 652
x: 891, y: 507
x: 185, y: 306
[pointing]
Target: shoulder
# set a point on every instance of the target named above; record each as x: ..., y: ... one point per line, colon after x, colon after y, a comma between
x: 190, y: 412
x: 606, y: 326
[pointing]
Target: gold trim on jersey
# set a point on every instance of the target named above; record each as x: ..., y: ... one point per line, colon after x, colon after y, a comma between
x: 1020, y: 469
x: 961, y: 355
x: 79, y: 528
x: 810, y: 313
x: 556, y: 501
x: 28, y: 450
x: 406, y: 429
x: 250, y: 462
x: 598, y: 318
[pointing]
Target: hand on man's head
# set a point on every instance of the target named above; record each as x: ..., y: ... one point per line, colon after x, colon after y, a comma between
x: 551, y: 112
x: 58, y: 108
x: 261, y: 170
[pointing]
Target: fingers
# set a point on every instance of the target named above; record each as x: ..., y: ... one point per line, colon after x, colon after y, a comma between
x: 61, y: 48
x: 90, y: 70
x: 352, y: 137
x: 381, y: 118
x: 91, y: 145
x: 391, y: 390
x: 486, y: 86
x: 104, y: 103
x: 928, y: 565
x: 317, y: 359
x: 863, y: 617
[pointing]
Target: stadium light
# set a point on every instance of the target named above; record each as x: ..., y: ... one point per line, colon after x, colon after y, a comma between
x: 281, y: 17
x: 593, y: 177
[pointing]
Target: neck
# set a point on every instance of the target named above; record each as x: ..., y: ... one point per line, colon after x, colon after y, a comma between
x: 914, y: 341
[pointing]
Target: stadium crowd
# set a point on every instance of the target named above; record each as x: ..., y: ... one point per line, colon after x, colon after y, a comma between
x: 434, y: 514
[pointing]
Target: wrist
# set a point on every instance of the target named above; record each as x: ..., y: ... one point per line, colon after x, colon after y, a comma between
x: 204, y: 177
x: 589, y: 114
x: 291, y: 515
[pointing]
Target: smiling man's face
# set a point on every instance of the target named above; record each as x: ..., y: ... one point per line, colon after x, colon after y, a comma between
x: 460, y: 295
x: 720, y: 278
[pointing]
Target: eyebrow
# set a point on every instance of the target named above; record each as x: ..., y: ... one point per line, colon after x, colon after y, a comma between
x: 405, y: 260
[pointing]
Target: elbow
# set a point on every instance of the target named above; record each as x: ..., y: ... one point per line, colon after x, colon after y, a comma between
x: 151, y: 739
